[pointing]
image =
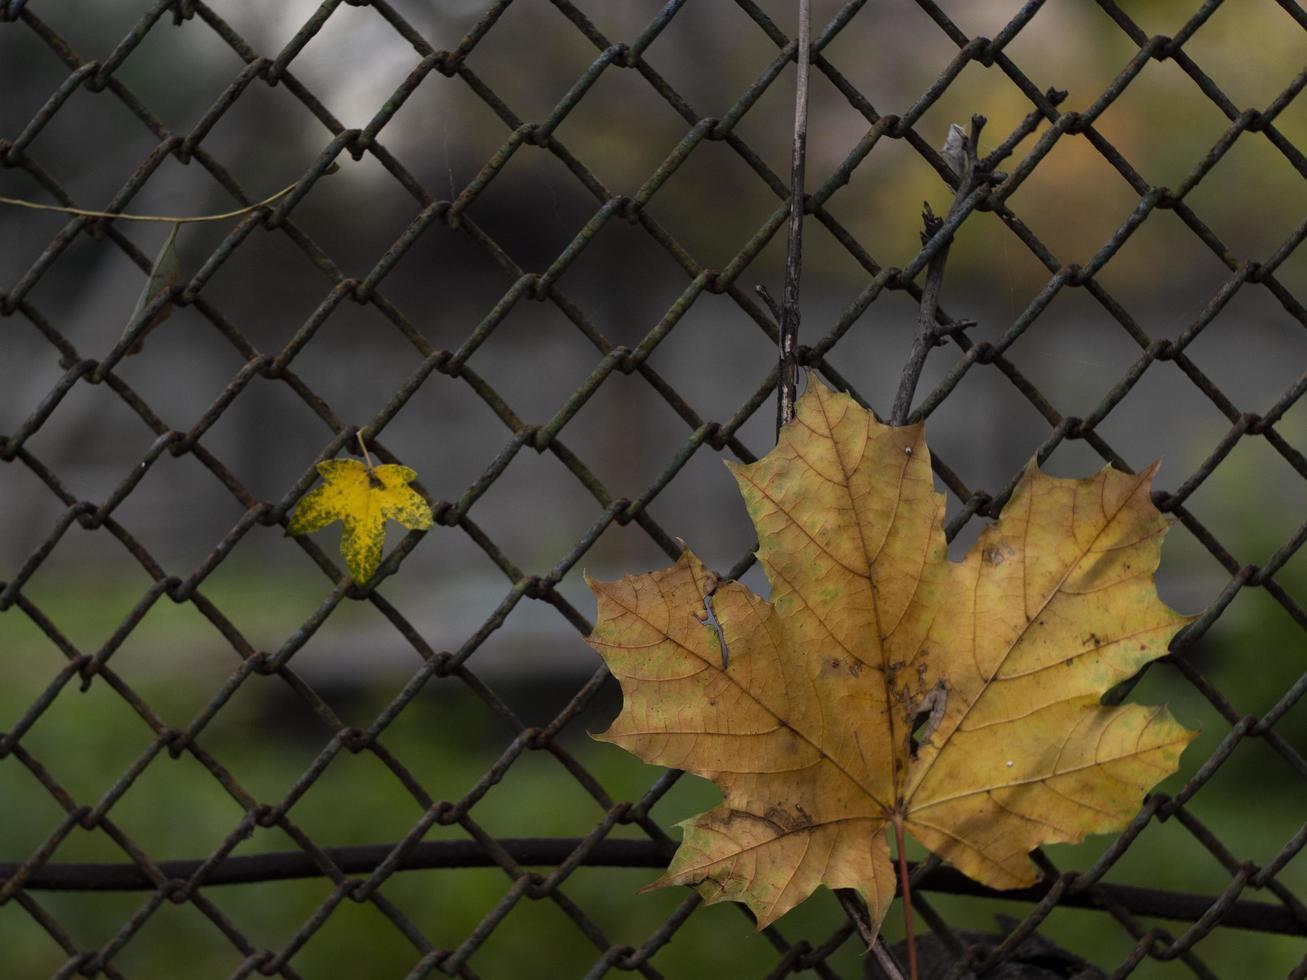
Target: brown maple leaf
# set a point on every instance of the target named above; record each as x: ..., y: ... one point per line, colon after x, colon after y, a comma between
x: 883, y: 684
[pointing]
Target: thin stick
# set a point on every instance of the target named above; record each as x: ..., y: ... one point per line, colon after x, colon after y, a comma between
x: 789, y: 332
x: 971, y: 174
x: 123, y: 216
x: 885, y: 958
x: 876, y: 944
x: 906, y: 886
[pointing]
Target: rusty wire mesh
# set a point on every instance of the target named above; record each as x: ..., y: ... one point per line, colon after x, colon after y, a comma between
x: 537, y: 870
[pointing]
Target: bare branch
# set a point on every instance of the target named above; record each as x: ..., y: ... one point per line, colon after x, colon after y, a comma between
x: 960, y: 151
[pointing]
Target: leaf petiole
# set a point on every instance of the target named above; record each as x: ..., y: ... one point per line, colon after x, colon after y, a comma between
x: 906, y: 890
x: 373, y: 481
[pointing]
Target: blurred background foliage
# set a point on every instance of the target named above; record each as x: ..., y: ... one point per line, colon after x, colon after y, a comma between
x: 716, y: 356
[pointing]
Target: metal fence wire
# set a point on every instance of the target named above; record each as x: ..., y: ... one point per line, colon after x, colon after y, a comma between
x: 537, y: 870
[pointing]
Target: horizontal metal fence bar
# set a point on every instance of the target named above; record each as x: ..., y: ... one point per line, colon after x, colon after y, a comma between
x: 553, y: 851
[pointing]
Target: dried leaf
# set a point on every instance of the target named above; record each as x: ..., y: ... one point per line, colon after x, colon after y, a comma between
x: 871, y: 633
x: 954, y: 150
x: 166, y: 273
x: 363, y: 501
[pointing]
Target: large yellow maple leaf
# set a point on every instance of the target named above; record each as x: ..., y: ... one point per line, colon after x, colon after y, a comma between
x: 998, y: 664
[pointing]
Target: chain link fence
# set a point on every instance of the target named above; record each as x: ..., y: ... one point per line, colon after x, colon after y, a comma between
x: 1163, y: 928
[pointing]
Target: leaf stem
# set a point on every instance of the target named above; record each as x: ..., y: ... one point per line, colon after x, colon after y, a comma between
x: 906, y: 887
x: 367, y: 458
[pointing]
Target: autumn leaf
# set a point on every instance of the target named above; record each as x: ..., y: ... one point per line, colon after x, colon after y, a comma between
x: 884, y: 684
x: 363, y: 498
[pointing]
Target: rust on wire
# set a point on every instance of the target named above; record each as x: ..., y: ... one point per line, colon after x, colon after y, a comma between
x: 1256, y: 897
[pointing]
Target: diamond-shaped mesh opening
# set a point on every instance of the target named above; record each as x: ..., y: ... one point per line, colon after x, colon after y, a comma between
x: 354, y: 63
x: 715, y: 188
x: 1227, y: 210
x: 1074, y: 200
x: 689, y: 53
x: 1163, y: 155
x: 272, y: 119
x: 195, y: 53
x: 1076, y: 349
x: 1163, y: 249
x: 1278, y: 27
x: 624, y: 128
x: 531, y: 278
x: 1253, y: 351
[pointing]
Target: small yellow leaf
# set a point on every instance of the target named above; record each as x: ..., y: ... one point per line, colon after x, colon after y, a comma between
x: 363, y: 501
x: 883, y: 684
